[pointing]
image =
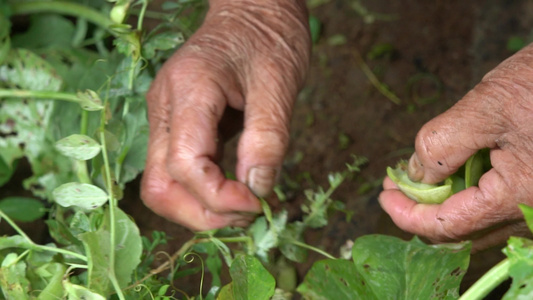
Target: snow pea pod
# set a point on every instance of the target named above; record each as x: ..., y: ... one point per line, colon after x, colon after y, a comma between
x: 467, y: 176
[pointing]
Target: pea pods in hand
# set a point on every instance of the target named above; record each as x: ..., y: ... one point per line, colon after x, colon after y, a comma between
x: 465, y: 177
x: 420, y: 192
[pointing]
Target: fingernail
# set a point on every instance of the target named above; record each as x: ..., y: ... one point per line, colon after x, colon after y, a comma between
x: 242, y: 219
x: 415, y: 169
x: 261, y: 180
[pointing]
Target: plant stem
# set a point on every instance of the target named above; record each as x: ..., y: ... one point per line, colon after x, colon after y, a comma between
x: 84, y: 123
x: 319, y: 251
x: 81, y: 172
x: 382, y: 88
x: 112, y: 206
x: 35, y: 246
x: 488, y: 282
x: 62, y: 7
x: 14, y: 226
x: 4, y: 93
x: 141, y: 16
x: 237, y: 239
x: 62, y: 251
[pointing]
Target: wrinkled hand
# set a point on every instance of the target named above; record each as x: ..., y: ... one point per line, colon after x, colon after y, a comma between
x: 248, y: 56
x: 496, y: 114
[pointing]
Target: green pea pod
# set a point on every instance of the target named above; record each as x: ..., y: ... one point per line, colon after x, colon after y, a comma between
x: 467, y: 176
x: 474, y: 168
x: 420, y: 192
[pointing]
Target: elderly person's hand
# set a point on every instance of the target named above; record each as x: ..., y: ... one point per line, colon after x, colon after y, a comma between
x: 249, y: 56
x: 496, y: 114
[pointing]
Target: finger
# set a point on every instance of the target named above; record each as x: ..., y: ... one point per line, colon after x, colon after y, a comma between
x: 446, y: 142
x: 388, y: 184
x: 166, y: 197
x: 193, y: 146
x: 461, y: 215
x: 265, y: 138
x: 499, y: 236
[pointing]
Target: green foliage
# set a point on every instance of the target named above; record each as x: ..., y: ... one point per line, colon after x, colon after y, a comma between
x: 22, y: 209
x: 73, y: 107
x: 383, y: 259
x: 315, y: 28
x: 72, y: 89
x: 250, y: 279
x: 515, y: 43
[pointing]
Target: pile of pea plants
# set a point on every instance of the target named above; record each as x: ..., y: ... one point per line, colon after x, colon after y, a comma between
x: 73, y: 75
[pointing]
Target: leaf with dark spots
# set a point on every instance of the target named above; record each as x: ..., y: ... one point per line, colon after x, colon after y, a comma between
x: 334, y: 279
x: 388, y: 259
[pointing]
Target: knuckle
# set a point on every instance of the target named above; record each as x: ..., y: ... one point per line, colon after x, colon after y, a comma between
x: 272, y: 142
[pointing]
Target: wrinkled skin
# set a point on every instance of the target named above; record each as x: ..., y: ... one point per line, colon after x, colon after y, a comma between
x: 248, y: 56
x: 496, y: 114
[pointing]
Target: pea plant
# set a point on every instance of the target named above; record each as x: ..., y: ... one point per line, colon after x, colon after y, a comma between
x: 73, y: 75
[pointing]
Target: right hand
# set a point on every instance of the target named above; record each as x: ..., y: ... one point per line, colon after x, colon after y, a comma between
x: 248, y: 56
x: 496, y: 114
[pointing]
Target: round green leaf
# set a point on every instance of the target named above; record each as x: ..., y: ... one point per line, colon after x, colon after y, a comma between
x: 82, y: 195
x: 22, y: 209
x: 78, y: 146
x: 250, y: 279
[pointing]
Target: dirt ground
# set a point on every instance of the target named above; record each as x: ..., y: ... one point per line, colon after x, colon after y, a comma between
x: 437, y: 51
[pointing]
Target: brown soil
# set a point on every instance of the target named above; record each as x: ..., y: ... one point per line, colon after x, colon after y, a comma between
x: 440, y: 48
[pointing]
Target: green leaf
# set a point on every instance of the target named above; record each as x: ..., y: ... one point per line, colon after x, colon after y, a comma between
x: 97, y: 246
x: 16, y: 241
x: 13, y: 279
x: 128, y: 249
x: 24, y: 69
x: 315, y: 28
x: 264, y: 238
x: 62, y: 234
x: 293, y: 232
x: 22, y: 209
x: 515, y: 43
x: 26, y: 125
x: 134, y: 143
x: 6, y: 171
x: 226, y: 292
x: 5, y: 41
x: 520, y: 254
x: 250, y: 279
x: 46, y: 30
x: 336, y: 279
x: 81, y: 195
x: 78, y: 146
x: 384, y: 259
x: 54, y: 288
x: 163, y: 41
x: 527, y: 211
x: 90, y: 100
x: 78, y: 292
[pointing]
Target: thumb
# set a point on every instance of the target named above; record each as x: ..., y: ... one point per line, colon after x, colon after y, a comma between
x: 445, y: 143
